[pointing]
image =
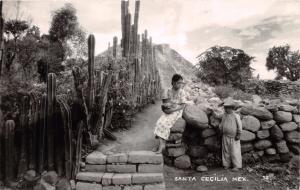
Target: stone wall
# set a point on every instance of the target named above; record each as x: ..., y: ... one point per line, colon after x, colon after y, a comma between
x: 270, y: 132
x: 273, y: 87
x: 136, y: 170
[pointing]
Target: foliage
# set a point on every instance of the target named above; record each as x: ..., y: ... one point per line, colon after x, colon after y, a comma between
x: 224, y: 65
x: 66, y: 30
x: 285, y: 62
x: 225, y: 91
x: 16, y: 28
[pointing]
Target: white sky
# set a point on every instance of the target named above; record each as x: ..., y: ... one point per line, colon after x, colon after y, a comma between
x: 189, y: 26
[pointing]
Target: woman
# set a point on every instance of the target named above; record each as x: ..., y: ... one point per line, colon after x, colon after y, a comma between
x: 171, y: 113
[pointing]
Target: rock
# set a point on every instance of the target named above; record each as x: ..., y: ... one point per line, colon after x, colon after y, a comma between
x: 248, y: 159
x: 50, y: 177
x: 270, y: 151
x: 289, y: 126
x: 175, y: 137
x: 202, y: 169
x: 272, y: 107
x: 168, y: 160
x: 195, y: 116
x: 73, y: 184
x: 259, y: 112
x: 295, y: 149
x: 286, y: 107
x: 246, y: 147
x: 215, y: 100
x: 262, y: 144
x: 296, y: 118
x: 261, y: 153
x: 30, y: 175
x: 256, y: 99
x: 294, y: 164
x: 286, y: 157
x: 179, y: 126
x: 213, y: 143
x: 208, y: 132
x: 293, y: 137
x: 214, y: 121
x: 197, y: 151
x: 271, y: 158
x: 175, y: 152
x: 282, y: 116
x: 250, y: 123
x: 263, y: 134
x: 267, y: 124
x: 63, y: 184
x: 282, y: 147
x: 183, y: 162
x: 276, y: 133
x: 247, y: 136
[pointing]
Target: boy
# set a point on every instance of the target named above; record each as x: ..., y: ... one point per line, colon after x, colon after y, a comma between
x: 231, y: 129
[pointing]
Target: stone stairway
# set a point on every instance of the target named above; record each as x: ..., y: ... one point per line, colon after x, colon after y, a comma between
x: 135, y: 170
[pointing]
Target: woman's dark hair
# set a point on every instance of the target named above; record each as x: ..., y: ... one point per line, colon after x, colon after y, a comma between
x: 176, y: 77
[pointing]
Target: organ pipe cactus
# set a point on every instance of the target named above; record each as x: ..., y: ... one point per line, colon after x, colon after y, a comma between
x: 91, y: 70
x: 115, y: 44
x: 23, y: 161
x: 51, y: 93
x: 9, y: 150
x: 1, y: 145
x: 42, y: 132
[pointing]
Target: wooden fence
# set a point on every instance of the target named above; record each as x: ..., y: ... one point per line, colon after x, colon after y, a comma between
x: 53, y: 128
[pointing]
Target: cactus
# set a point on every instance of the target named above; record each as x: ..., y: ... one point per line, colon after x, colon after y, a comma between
x: 76, y: 165
x: 33, y: 120
x: 23, y: 162
x: 51, y: 93
x: 91, y: 70
x: 1, y: 145
x: 67, y: 127
x: 127, y: 35
x: 9, y: 150
x: 136, y: 22
x: 42, y: 132
x: 115, y: 44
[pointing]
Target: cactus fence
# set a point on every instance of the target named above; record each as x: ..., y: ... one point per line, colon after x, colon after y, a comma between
x: 53, y: 128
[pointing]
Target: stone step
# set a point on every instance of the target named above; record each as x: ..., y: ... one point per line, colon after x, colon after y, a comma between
x: 133, y: 157
x: 106, y: 179
x: 125, y: 168
x: 94, y: 186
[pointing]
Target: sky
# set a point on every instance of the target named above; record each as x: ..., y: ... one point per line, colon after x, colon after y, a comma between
x: 189, y: 26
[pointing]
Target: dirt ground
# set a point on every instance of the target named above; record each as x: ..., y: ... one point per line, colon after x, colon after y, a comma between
x: 140, y: 137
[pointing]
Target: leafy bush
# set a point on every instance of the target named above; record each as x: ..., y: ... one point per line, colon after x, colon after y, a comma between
x: 225, y: 91
x: 224, y: 65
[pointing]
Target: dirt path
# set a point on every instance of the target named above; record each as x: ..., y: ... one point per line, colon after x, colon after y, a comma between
x: 140, y: 137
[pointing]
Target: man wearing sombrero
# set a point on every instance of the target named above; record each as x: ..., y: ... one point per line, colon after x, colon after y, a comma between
x: 231, y: 129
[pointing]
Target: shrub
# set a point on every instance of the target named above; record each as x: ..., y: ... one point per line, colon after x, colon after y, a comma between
x: 225, y: 91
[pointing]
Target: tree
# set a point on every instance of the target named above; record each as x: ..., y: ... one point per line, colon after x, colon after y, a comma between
x: 285, y: 62
x: 15, y: 28
x: 29, y: 50
x: 224, y: 65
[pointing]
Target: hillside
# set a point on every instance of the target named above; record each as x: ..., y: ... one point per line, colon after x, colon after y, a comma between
x: 168, y: 61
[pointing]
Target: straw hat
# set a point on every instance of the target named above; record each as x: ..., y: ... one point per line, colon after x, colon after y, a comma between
x: 229, y: 102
